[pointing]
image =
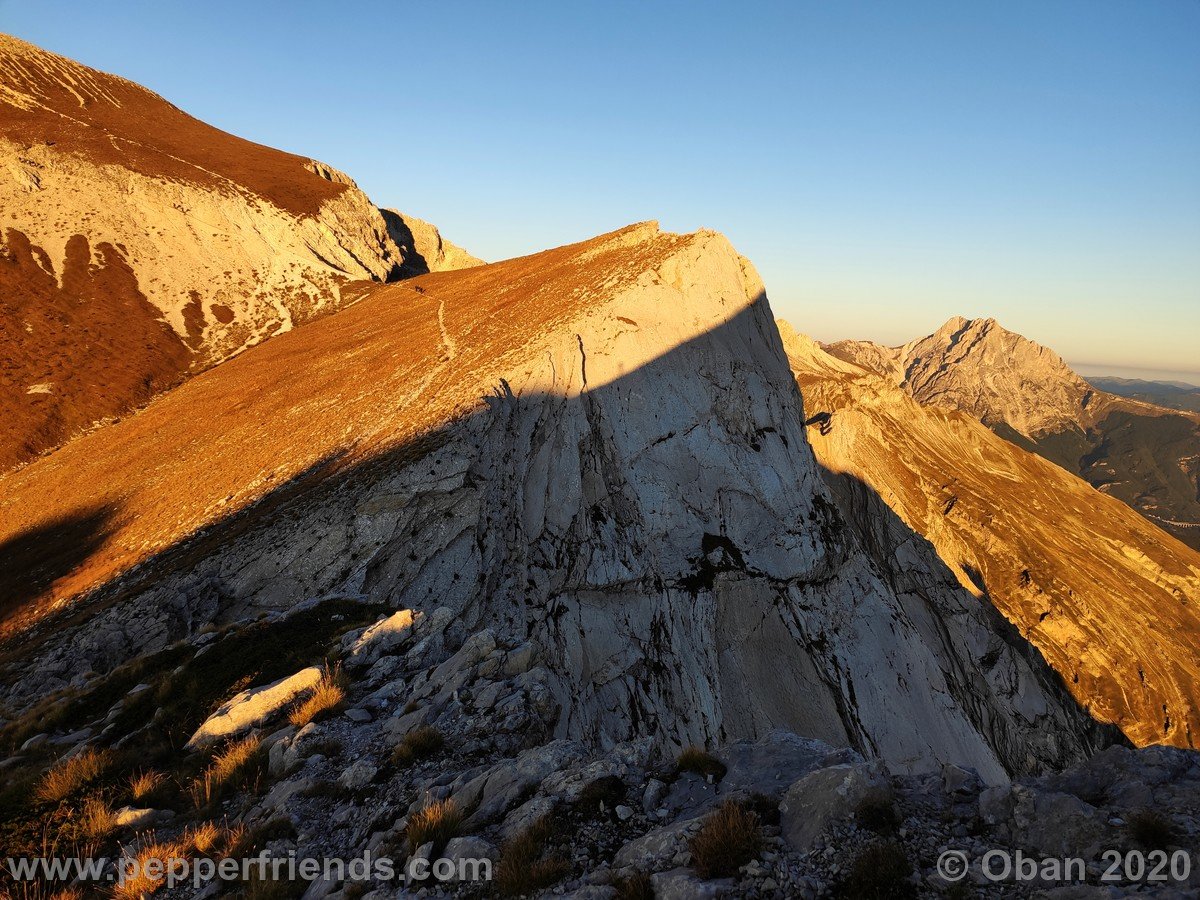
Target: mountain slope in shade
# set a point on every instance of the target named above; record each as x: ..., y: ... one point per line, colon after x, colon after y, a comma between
x: 1144, y: 455
x: 138, y: 244
x: 1110, y: 601
x: 597, y: 449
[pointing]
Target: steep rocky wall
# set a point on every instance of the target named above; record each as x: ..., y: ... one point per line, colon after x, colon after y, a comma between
x: 626, y: 483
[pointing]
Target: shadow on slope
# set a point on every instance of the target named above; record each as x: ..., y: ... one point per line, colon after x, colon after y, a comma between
x: 888, y: 540
x: 35, y: 558
x: 524, y: 577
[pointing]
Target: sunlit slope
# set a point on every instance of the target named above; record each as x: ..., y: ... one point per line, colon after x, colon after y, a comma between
x: 1110, y: 600
x: 404, y: 361
x: 139, y: 245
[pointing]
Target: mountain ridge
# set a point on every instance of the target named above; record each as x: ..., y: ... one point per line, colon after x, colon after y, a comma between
x: 626, y: 484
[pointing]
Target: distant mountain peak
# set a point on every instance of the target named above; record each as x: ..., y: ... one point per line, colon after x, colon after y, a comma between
x: 979, y: 366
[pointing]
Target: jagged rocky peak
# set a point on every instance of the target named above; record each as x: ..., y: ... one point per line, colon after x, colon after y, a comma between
x: 139, y: 245
x: 980, y: 367
x: 598, y: 450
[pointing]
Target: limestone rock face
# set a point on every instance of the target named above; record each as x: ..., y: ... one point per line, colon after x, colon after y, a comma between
x: 139, y: 245
x: 597, y: 451
x: 1108, y: 599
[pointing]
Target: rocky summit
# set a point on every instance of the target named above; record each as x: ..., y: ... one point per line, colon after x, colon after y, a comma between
x: 578, y: 567
x: 1143, y: 454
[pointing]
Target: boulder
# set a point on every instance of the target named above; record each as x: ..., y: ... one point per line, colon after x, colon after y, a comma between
x: 822, y: 799
x: 1058, y: 825
x: 252, y: 708
x: 506, y: 784
x: 381, y: 639
x: 771, y: 764
x: 357, y: 775
x: 682, y: 884
x: 129, y: 817
x: 657, y: 847
x: 471, y: 847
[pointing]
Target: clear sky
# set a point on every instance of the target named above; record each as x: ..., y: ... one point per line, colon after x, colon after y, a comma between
x: 886, y: 165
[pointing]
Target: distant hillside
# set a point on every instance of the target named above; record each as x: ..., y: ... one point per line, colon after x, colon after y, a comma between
x: 1171, y: 394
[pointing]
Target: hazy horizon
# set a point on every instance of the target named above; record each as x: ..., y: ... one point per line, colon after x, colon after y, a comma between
x: 884, y: 167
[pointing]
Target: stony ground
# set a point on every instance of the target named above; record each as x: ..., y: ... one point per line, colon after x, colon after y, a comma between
x: 439, y: 745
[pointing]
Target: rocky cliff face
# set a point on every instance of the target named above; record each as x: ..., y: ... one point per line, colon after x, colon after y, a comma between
x: 596, y: 449
x: 1144, y: 455
x: 423, y: 247
x: 138, y: 245
x: 1107, y: 598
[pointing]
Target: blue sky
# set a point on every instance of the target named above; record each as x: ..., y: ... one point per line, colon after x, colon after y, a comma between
x: 886, y: 165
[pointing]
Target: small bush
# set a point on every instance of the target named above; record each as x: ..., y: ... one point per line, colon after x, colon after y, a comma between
x: 880, y: 872
x: 327, y: 698
x: 524, y: 866
x: 1151, y: 829
x: 145, y: 785
x: 729, y: 837
x: 68, y: 776
x: 608, y: 790
x: 268, y: 888
x: 420, y: 743
x: 877, y: 812
x: 226, y: 770
x: 637, y: 886
x: 437, y: 822
x: 700, y: 761
x: 766, y: 808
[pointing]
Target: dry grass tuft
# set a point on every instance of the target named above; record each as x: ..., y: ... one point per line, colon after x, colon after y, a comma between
x: 635, y: 886
x: 143, y: 785
x: 525, y: 867
x: 729, y: 837
x: 877, y: 812
x: 420, y: 743
x: 327, y: 697
x: 68, y: 776
x: 27, y: 890
x: 96, y: 818
x: 437, y: 822
x: 700, y: 761
x: 211, y: 839
x: 225, y: 770
x: 149, y: 870
x: 881, y: 871
x: 268, y: 888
